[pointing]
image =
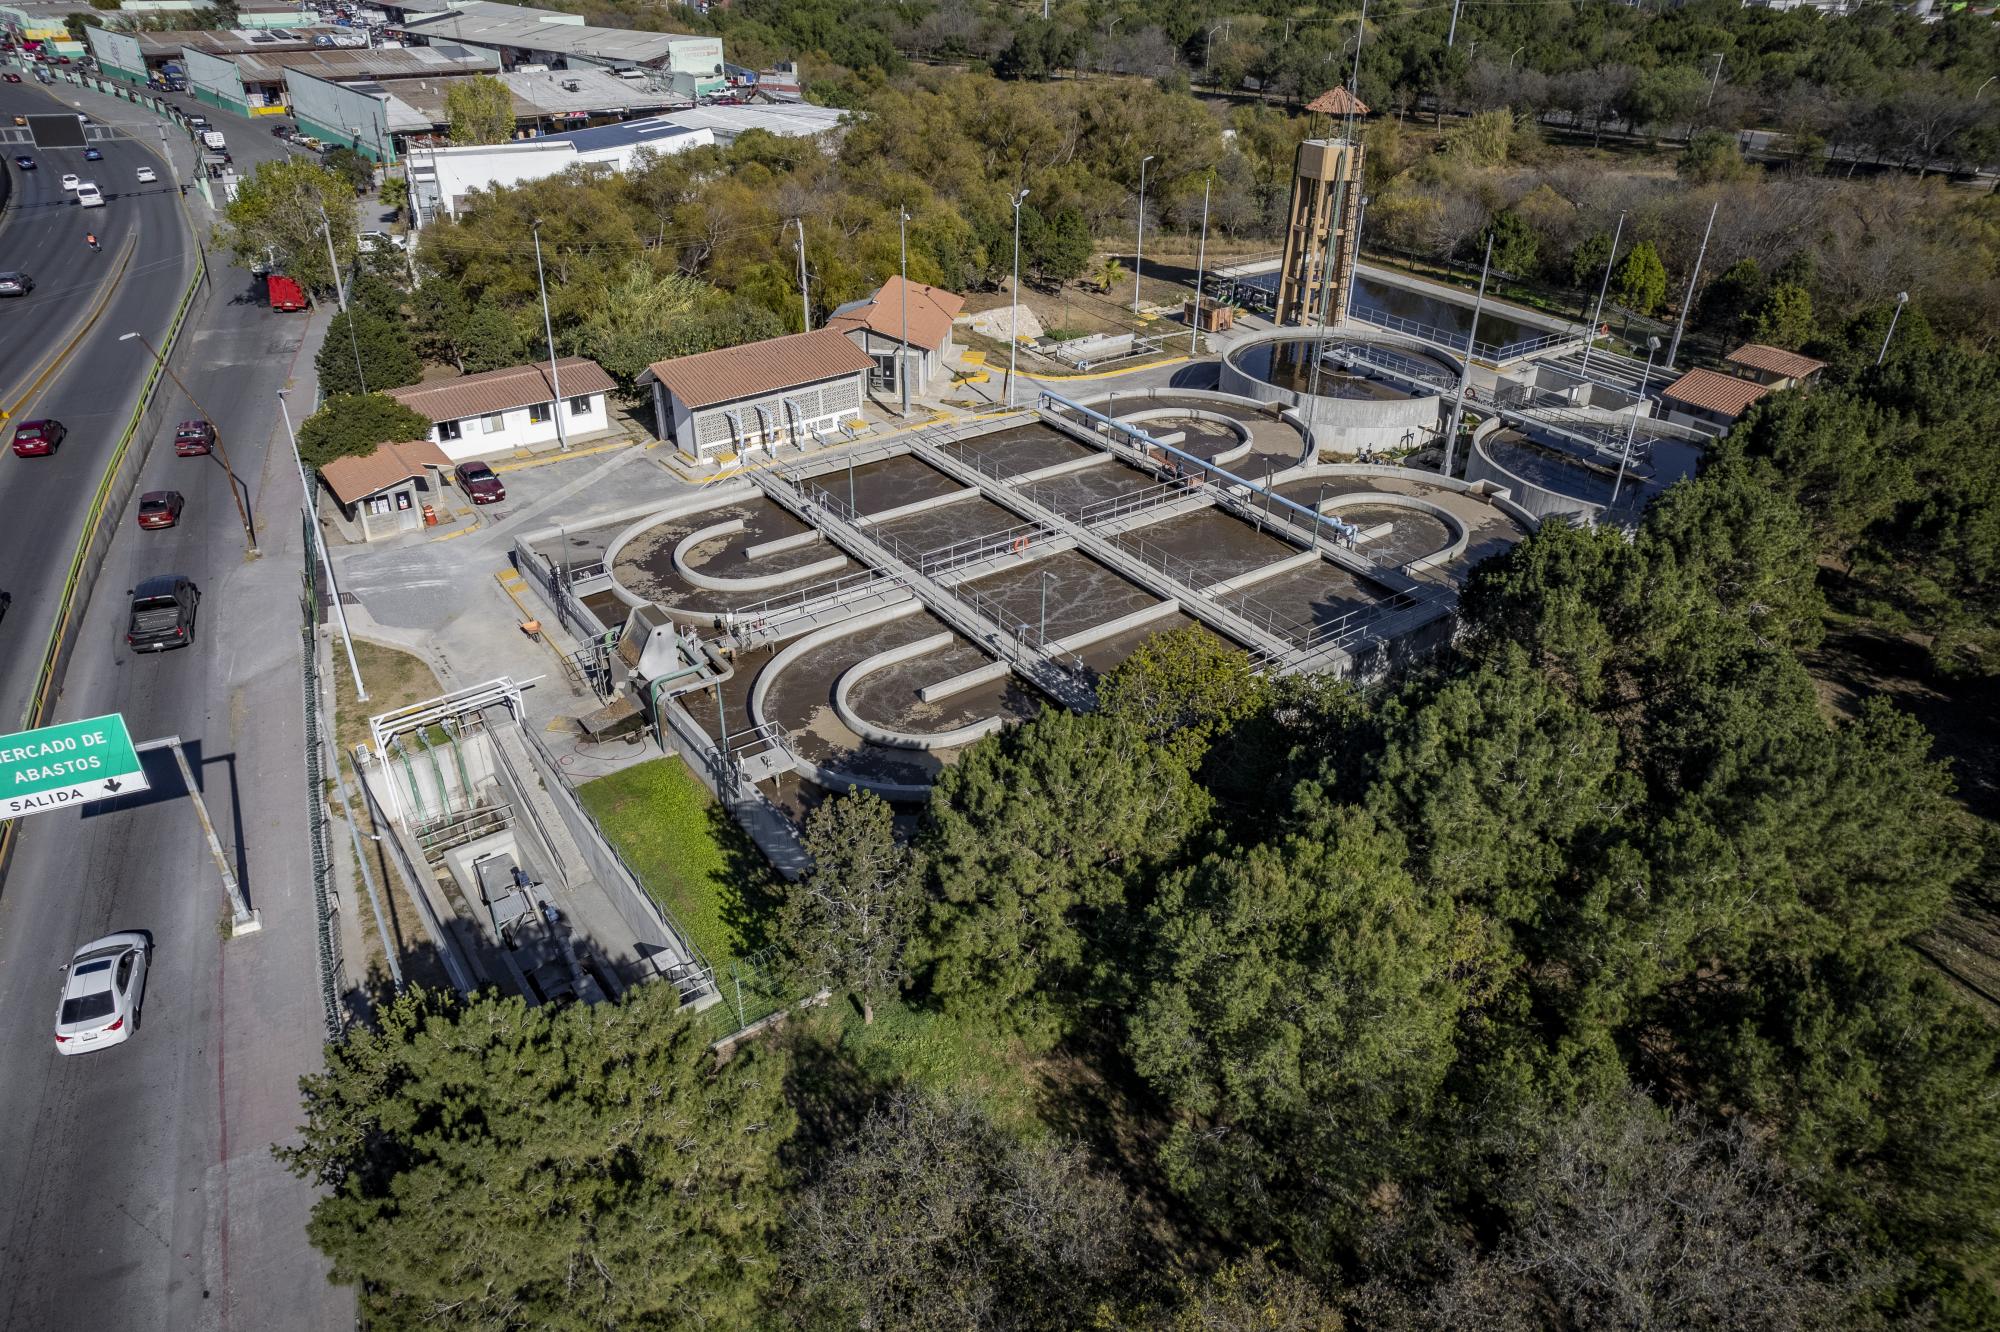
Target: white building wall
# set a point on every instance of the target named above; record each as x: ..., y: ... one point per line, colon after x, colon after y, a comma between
x: 515, y: 430
x: 793, y: 417
x: 445, y: 174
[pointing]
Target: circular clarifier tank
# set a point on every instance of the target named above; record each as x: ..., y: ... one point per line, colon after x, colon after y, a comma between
x: 1366, y: 392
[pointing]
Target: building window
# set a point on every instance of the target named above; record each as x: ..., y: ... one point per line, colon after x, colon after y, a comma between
x: 447, y: 431
x: 579, y: 406
x: 493, y: 424
x: 883, y: 376
x: 538, y: 413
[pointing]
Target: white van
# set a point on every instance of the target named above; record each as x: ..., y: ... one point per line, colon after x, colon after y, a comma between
x: 88, y: 195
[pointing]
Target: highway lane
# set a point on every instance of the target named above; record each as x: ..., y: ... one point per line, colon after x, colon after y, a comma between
x: 45, y: 499
x: 141, y: 1190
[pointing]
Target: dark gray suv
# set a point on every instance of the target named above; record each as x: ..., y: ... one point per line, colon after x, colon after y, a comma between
x: 163, y: 610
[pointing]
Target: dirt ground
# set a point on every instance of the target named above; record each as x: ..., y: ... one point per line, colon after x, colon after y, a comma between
x: 1858, y: 662
x: 1167, y: 280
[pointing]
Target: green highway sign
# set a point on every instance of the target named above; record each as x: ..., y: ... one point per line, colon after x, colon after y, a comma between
x: 70, y: 764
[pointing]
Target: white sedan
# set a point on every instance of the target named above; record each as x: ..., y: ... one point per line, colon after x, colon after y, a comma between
x: 71, y: 182
x: 89, y: 195
x: 101, y: 992
x: 146, y: 176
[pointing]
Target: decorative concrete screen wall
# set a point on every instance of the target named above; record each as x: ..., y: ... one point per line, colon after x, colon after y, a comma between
x: 216, y: 81
x: 117, y: 54
x: 340, y: 115
x: 773, y: 417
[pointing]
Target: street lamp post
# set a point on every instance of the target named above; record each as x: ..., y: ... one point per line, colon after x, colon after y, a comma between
x: 1139, y: 254
x: 332, y: 261
x: 1902, y: 299
x: 1452, y: 35
x: 549, y: 332
x: 805, y: 300
x: 1713, y: 84
x: 1200, y: 269
x: 1680, y: 324
x: 1014, y: 301
x: 1512, y: 58
x: 1631, y: 429
x: 1465, y: 379
x: 1042, y: 635
x: 1602, y: 287
x: 319, y: 543
x: 1982, y: 89
x: 249, y: 535
x: 903, y: 357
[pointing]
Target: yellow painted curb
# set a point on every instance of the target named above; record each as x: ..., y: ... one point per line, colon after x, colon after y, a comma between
x: 544, y: 459
x: 453, y: 536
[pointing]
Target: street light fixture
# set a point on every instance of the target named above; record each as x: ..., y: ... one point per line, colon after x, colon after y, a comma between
x: 1042, y: 635
x: 1902, y: 299
x: 1139, y: 255
x: 249, y: 535
x: 903, y: 353
x: 1597, y: 315
x: 1716, y: 81
x: 1014, y: 302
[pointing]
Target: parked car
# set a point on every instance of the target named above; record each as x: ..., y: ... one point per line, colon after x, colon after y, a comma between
x: 13, y: 77
x: 16, y: 284
x: 193, y: 438
x: 88, y: 195
x: 70, y: 180
x: 160, y: 508
x: 479, y: 483
x: 285, y: 292
x: 93, y: 154
x: 25, y: 162
x: 147, y: 175
x: 163, y: 613
x: 38, y: 439
x: 103, y: 986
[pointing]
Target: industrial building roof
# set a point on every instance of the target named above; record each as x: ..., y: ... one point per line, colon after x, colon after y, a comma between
x: 756, y: 368
x: 503, y: 390
x: 930, y: 312
x: 354, y: 479
x: 653, y: 129
x: 789, y: 121
x: 542, y: 30
x: 1713, y: 392
x: 1775, y: 361
x: 550, y: 94
x: 336, y: 65
x: 242, y: 41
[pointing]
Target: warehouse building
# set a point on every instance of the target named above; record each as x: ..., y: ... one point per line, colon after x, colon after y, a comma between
x: 798, y: 390
x: 521, y: 35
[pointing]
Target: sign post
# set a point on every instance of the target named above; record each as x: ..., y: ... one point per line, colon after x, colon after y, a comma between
x: 72, y: 764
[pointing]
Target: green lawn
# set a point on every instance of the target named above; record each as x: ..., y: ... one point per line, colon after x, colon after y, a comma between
x: 691, y: 856
x: 922, y: 1047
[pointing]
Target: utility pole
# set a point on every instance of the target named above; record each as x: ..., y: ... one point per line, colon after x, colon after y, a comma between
x: 903, y: 246
x: 1465, y: 379
x: 1680, y: 324
x: 1452, y: 35
x: 332, y: 262
x: 1602, y: 287
x: 319, y: 543
x: 1014, y: 302
x: 249, y: 535
x: 1200, y: 266
x: 805, y: 305
x: 549, y: 332
x: 1139, y: 255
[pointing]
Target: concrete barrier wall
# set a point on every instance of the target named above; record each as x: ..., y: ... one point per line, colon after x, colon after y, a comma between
x: 1539, y: 501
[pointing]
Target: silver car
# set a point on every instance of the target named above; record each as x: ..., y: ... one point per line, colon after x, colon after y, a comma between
x: 102, y: 988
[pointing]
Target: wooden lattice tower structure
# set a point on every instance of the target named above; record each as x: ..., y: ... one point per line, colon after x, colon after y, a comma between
x: 1326, y: 194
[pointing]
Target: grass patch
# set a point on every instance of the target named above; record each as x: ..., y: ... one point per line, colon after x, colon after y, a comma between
x: 394, y: 679
x: 688, y: 852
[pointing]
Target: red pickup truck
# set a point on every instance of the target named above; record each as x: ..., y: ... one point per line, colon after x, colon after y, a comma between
x: 285, y: 293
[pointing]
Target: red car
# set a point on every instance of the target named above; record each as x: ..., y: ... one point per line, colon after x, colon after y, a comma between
x: 38, y: 439
x: 286, y: 294
x: 13, y: 78
x: 476, y: 479
x: 193, y: 438
x: 159, y: 508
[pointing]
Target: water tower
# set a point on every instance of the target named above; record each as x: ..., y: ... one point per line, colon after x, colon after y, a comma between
x: 1321, y: 241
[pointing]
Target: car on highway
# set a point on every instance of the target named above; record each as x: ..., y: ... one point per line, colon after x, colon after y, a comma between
x: 163, y: 611
x: 88, y: 195
x: 93, y: 154
x: 103, y: 986
x: 38, y: 439
x: 160, y: 508
x: 192, y: 439
x: 70, y: 180
x: 147, y: 175
x: 13, y: 77
x: 476, y: 479
x: 25, y: 162
x: 16, y: 284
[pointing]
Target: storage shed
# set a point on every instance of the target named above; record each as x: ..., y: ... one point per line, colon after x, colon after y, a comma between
x: 797, y: 390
